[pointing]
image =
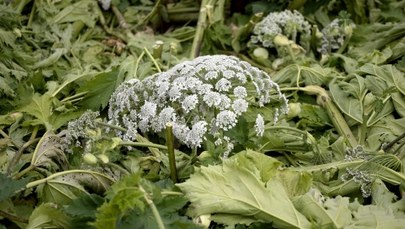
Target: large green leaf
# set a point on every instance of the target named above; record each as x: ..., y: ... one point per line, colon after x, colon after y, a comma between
x: 332, y: 213
x: 47, y: 216
x: 63, y: 187
x: 314, y: 75
x: 233, y: 189
x: 348, y: 97
x: 372, y: 216
x: 9, y: 186
x: 99, y: 89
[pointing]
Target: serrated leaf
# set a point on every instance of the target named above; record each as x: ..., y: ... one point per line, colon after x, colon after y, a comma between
x: 233, y: 189
x: 47, y: 216
x: 51, y: 59
x: 85, y: 206
x: 99, y: 90
x: 372, y: 216
x: 168, y: 209
x: 9, y: 186
x: 41, y: 108
x: 86, y: 11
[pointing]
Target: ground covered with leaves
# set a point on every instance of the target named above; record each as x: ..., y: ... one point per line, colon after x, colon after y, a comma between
x: 202, y: 114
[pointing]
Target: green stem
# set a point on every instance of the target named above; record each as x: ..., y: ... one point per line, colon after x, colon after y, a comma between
x: 12, y: 217
x: 121, y: 20
x: 46, y: 179
x: 111, y: 126
x: 170, y: 149
x: 25, y: 171
x: 363, y: 130
x: 19, y: 153
x: 153, y: 59
x: 172, y: 193
x: 338, y: 165
x: 152, y: 206
x: 333, y: 112
x: 137, y: 64
x: 143, y: 144
x: 148, y: 17
x: 201, y: 26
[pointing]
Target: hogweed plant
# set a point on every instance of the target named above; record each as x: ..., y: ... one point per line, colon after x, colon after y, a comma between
x: 202, y: 98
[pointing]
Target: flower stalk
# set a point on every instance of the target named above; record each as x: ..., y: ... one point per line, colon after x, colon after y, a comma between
x: 170, y: 151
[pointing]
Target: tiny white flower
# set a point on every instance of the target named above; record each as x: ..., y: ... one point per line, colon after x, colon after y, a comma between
x: 212, y: 98
x: 226, y: 120
x: 189, y: 103
x: 259, y: 126
x: 240, y: 106
x: 196, y: 135
x: 223, y: 85
x: 211, y: 75
x: 240, y: 92
x: 148, y: 110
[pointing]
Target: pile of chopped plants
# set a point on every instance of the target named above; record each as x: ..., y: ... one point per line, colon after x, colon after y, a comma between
x: 202, y: 114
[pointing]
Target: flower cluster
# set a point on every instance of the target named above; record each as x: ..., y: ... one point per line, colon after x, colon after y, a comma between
x: 356, y: 153
x: 335, y: 34
x: 202, y: 97
x: 80, y: 129
x: 289, y: 24
x: 361, y: 177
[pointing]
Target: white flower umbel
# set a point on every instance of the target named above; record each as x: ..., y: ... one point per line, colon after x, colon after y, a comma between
x: 335, y: 34
x: 290, y: 24
x: 201, y: 97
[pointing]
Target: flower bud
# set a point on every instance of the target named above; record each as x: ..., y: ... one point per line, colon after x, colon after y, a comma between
x: 294, y: 109
x: 104, y: 158
x: 281, y: 40
x: 90, y: 159
x: 348, y: 30
x: 261, y: 53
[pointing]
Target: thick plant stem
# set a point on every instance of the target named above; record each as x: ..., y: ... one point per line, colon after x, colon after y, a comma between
x: 201, y: 26
x: 339, y: 122
x: 170, y: 150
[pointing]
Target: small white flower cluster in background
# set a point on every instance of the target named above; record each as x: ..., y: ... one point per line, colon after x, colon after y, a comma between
x: 290, y: 24
x: 202, y: 97
x: 79, y: 130
x: 335, y: 34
